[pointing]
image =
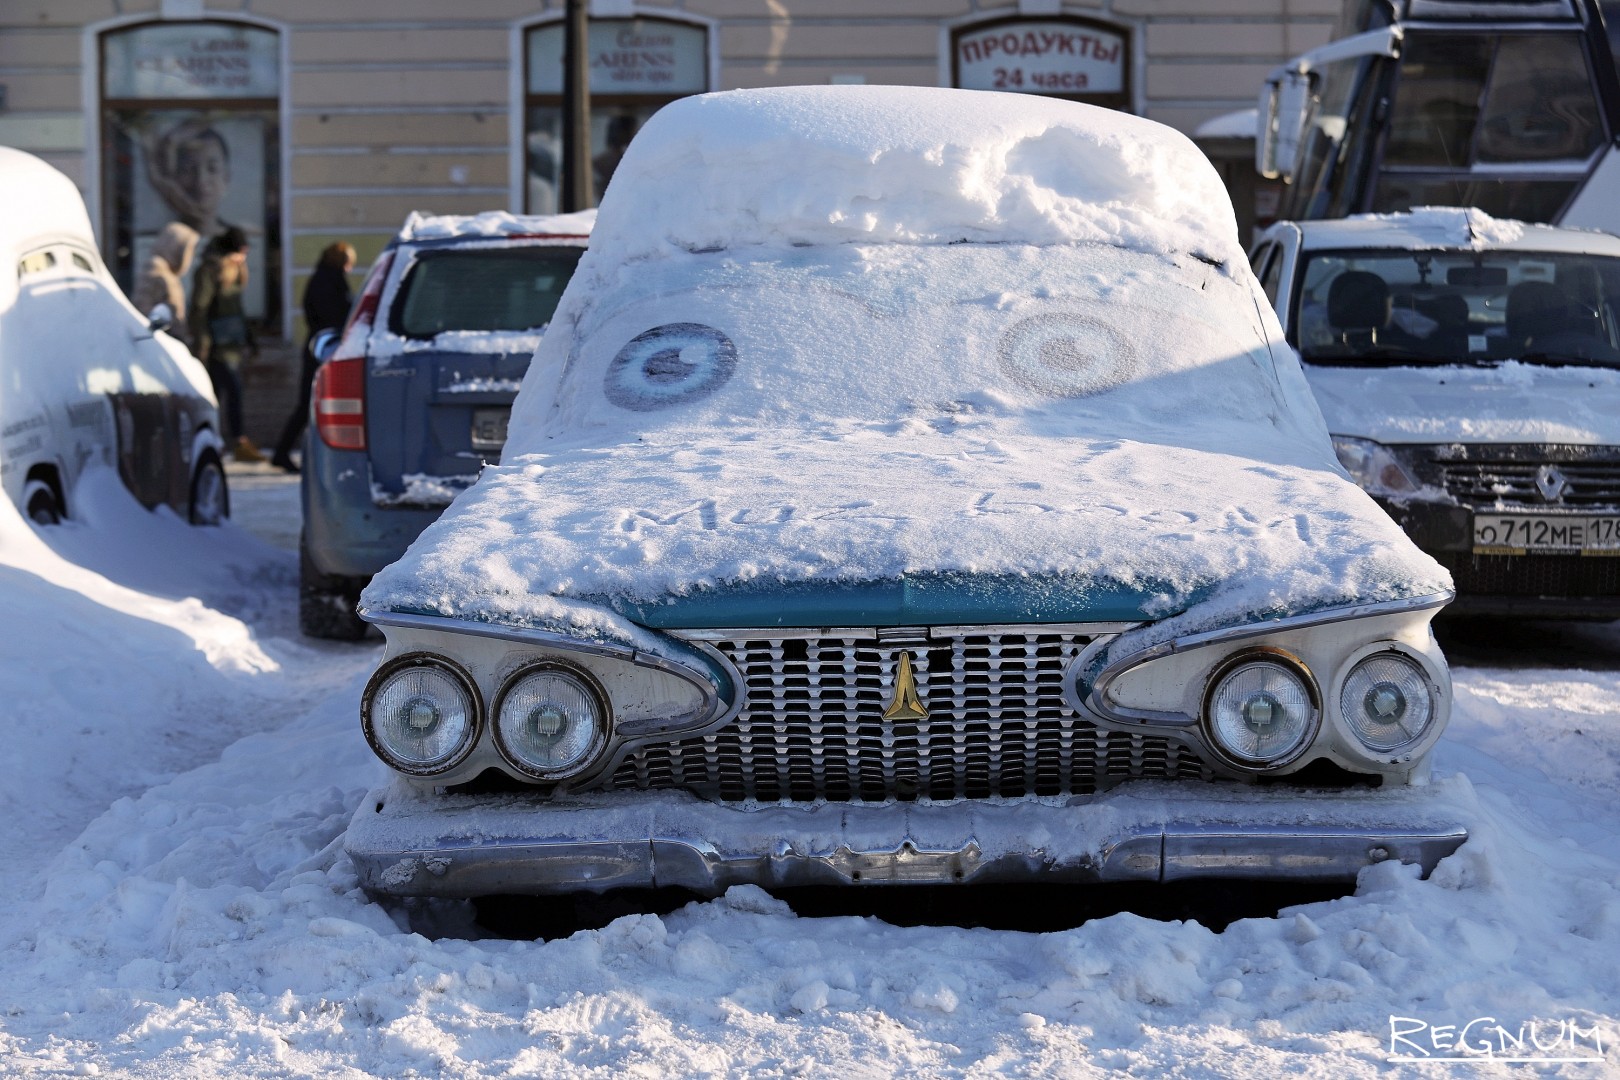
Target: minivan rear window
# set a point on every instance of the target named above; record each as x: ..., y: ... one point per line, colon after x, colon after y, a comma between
x: 512, y: 289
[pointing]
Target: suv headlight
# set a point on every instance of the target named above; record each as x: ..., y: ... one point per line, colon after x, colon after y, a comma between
x: 550, y: 721
x: 420, y: 714
x: 1387, y: 701
x: 1373, y: 467
x: 1260, y: 711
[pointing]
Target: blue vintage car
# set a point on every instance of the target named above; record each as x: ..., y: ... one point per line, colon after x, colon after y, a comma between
x: 913, y: 486
x: 416, y: 395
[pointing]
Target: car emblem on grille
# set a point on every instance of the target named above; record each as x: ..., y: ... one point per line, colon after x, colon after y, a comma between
x: 906, y: 705
x: 1551, y: 483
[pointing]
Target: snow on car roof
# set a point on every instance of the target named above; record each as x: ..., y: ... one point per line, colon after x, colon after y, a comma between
x: 1450, y: 227
x: 54, y: 206
x: 495, y: 224
x: 919, y: 165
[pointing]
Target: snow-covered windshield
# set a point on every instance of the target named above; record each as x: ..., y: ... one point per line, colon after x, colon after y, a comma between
x: 1453, y: 307
x: 1071, y: 339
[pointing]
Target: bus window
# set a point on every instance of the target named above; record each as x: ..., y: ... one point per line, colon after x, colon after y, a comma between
x: 1541, y: 106
x: 1442, y: 82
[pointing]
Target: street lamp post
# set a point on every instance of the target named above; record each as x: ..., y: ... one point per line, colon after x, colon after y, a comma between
x: 576, y: 178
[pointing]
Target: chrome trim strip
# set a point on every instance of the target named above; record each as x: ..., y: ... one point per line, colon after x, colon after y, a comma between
x: 867, y: 633
x: 446, y: 849
x: 546, y: 638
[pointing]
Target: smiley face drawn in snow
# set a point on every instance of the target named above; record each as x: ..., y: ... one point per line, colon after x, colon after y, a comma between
x: 670, y: 365
x: 1065, y: 354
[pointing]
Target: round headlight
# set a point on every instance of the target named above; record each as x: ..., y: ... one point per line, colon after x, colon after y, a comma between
x: 550, y: 722
x: 420, y: 714
x: 1261, y: 712
x: 1387, y: 701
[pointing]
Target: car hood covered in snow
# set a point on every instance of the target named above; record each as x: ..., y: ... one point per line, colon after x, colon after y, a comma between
x: 1508, y: 403
x: 871, y: 411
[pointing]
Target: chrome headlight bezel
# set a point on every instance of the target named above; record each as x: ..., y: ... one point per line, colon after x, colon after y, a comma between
x: 601, y: 722
x: 1290, y: 664
x: 445, y: 666
x: 1437, y: 703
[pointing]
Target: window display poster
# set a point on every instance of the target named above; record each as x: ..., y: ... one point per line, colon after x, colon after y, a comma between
x: 207, y: 170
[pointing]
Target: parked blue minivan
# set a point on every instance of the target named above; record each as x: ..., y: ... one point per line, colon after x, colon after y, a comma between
x: 415, y: 398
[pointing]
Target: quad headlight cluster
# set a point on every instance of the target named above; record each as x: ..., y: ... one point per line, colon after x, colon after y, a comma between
x: 1364, y: 688
x: 1263, y: 710
x: 422, y: 715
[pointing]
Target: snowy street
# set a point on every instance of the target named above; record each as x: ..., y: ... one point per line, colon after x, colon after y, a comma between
x: 183, y: 766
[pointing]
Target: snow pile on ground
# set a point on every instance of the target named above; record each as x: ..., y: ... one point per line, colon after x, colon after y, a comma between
x: 126, y: 657
x: 1095, y: 419
x: 915, y: 165
x: 212, y: 927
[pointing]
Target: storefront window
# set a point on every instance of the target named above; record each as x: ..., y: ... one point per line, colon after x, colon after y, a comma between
x: 190, y: 135
x: 1079, y: 59
x: 637, y: 66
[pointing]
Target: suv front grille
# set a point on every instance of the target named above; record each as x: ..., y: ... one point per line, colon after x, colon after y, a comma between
x: 812, y: 727
x: 1532, y: 575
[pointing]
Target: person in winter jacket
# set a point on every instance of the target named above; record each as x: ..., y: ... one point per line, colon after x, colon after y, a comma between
x: 162, y: 280
x: 220, y: 333
x: 327, y: 298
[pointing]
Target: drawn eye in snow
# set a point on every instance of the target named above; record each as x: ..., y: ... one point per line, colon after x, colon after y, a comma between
x: 1065, y: 355
x: 668, y: 365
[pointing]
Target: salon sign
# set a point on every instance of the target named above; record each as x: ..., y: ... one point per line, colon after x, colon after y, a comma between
x: 190, y: 61
x: 638, y: 57
x: 1041, y: 57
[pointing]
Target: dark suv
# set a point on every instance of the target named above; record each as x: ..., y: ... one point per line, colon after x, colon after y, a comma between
x: 416, y: 396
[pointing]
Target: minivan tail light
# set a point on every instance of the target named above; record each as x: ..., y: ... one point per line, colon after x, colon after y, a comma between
x: 340, y: 403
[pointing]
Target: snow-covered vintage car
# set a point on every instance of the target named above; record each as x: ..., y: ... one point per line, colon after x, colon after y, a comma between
x: 904, y: 471
x: 85, y: 379
x: 1469, y: 370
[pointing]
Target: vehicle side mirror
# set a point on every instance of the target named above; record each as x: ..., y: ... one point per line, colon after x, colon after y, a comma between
x: 161, y: 317
x: 1284, y: 101
x: 324, y: 344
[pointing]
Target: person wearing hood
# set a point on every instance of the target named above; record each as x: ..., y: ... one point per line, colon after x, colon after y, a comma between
x: 220, y: 332
x: 162, y: 279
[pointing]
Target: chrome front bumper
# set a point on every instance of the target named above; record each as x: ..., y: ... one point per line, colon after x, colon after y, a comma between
x: 406, y: 844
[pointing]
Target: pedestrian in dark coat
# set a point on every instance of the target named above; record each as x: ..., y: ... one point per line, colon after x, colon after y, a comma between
x: 220, y: 334
x: 327, y: 298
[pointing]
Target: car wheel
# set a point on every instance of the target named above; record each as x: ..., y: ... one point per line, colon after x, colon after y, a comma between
x: 210, y: 498
x: 41, y: 503
x: 326, y: 602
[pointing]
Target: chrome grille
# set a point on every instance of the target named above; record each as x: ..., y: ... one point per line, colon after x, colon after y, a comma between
x: 1486, y: 483
x: 812, y: 725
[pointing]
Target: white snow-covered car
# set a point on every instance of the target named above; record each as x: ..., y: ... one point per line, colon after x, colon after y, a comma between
x: 85, y: 379
x: 912, y: 486
x: 1469, y: 370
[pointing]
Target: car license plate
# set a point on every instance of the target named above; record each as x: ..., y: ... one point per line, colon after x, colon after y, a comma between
x: 1515, y: 534
x: 489, y: 428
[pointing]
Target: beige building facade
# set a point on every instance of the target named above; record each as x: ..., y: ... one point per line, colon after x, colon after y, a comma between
x: 309, y: 121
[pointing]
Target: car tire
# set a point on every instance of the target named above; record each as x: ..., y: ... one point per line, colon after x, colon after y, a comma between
x: 210, y: 496
x: 41, y: 504
x: 326, y: 602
